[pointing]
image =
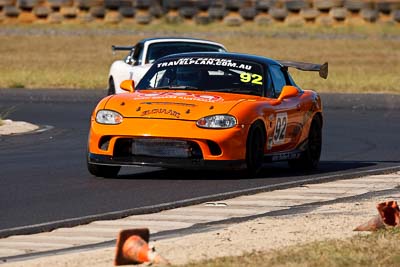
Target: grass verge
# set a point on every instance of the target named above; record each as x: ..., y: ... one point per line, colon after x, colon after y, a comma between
x: 378, y: 249
x: 362, y: 58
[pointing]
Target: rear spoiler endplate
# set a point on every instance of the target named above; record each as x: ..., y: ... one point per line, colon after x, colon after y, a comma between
x: 321, y: 68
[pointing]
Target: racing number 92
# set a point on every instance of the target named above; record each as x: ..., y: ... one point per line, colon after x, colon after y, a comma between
x: 280, y: 128
x: 250, y: 78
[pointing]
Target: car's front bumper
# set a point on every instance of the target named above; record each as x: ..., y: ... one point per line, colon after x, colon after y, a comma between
x: 181, y: 163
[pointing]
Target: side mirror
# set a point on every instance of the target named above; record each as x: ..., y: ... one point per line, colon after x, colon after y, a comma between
x: 287, y: 92
x: 128, y: 85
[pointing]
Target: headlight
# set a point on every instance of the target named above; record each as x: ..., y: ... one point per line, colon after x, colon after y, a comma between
x: 108, y: 117
x: 217, y: 122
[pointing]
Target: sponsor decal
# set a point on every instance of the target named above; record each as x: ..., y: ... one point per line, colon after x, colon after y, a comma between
x: 177, y: 95
x: 170, y: 112
x: 205, y: 61
x: 286, y: 156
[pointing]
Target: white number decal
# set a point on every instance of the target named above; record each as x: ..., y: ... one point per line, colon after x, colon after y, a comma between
x: 280, y: 128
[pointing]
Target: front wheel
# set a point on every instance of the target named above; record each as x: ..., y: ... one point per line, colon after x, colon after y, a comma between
x: 255, y: 149
x: 309, y: 160
x: 103, y: 170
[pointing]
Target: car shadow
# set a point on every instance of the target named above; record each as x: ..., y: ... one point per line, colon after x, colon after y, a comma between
x: 270, y: 171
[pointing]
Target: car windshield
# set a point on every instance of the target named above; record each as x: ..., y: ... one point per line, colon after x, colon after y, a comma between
x: 205, y: 74
x: 159, y: 50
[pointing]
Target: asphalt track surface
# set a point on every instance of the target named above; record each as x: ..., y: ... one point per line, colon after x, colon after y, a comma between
x: 43, y: 176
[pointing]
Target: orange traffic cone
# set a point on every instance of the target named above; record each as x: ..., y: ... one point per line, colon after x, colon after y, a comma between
x: 389, y: 215
x: 389, y: 212
x: 132, y: 248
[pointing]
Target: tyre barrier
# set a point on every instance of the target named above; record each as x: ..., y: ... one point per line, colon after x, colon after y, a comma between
x: 369, y: 15
x: 309, y: 14
x: 216, y: 13
x: 233, y: 20
x: 248, y: 13
x: 278, y: 14
x: 188, y: 12
x: 156, y: 11
x: 396, y: 15
x: 57, y: 4
x: 264, y: 5
x: 55, y: 18
x: 69, y: 12
x: 11, y: 11
x: 202, y: 19
x: 263, y: 20
x: 202, y: 12
x: 41, y: 12
x: 126, y: 11
x: 296, y: 5
x: 338, y: 13
x: 97, y: 12
x: 233, y: 5
x: 143, y: 17
x: 4, y: 3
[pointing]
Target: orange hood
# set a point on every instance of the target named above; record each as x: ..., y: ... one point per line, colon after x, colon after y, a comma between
x: 185, y: 105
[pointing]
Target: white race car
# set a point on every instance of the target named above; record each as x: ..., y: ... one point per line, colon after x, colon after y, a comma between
x: 144, y: 53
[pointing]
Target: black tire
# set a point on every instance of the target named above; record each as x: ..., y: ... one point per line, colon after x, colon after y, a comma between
x: 309, y: 14
x: 255, y: 149
x: 156, y: 11
x: 384, y: 7
x: 233, y: 20
x: 295, y: 5
x: 233, y: 5
x: 202, y: 19
x: 354, y: 5
x: 396, y: 15
x: 216, y: 13
x: 27, y: 4
x: 41, y: 11
x: 338, y: 13
x: 59, y: 3
x: 188, y: 12
x: 112, y: 4
x: 309, y: 160
x: 142, y: 4
x: 111, y: 87
x: 278, y: 14
x: 127, y: 12
x: 103, y: 170
x: 370, y: 15
x: 11, y: 11
x: 248, y: 13
x: 4, y: 3
x: 143, y: 18
x: 98, y: 11
x: 264, y: 5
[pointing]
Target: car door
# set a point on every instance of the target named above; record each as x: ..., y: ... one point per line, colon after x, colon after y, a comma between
x: 287, y: 116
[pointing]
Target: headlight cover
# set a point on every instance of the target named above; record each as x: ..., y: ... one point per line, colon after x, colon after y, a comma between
x: 105, y: 116
x: 217, y: 122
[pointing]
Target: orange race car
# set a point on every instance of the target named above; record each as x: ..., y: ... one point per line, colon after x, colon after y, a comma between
x: 209, y: 110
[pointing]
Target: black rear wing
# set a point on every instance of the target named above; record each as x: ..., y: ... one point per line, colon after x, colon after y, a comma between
x: 322, y: 69
x: 121, y: 48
